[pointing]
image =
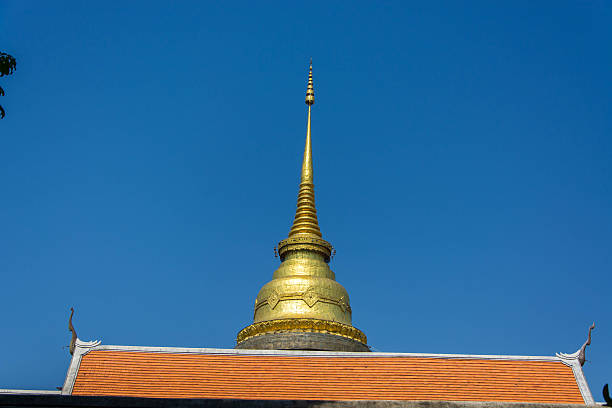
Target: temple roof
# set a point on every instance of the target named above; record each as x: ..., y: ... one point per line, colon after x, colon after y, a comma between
x: 166, y: 372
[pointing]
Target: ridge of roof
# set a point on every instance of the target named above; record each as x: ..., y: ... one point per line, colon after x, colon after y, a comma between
x: 85, y: 347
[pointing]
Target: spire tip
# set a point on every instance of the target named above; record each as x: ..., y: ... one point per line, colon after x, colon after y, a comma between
x: 310, y: 89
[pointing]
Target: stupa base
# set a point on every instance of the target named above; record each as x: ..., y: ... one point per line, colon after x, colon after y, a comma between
x: 302, y: 341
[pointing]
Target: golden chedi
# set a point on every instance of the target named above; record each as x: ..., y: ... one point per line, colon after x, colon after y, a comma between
x: 303, y: 307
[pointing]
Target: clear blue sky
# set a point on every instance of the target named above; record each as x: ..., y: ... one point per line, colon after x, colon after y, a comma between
x: 150, y: 156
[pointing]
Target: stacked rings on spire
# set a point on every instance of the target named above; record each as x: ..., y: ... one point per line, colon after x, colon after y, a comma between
x: 305, y: 221
x: 310, y: 89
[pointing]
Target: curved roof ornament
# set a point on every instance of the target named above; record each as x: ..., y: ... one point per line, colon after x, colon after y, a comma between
x: 582, y: 351
x: 75, y: 342
x: 74, y: 334
x: 580, y: 355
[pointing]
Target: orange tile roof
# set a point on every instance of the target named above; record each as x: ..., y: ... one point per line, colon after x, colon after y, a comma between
x: 323, y: 377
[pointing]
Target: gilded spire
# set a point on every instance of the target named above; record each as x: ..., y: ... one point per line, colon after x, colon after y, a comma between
x: 310, y: 89
x: 303, y: 307
x: 305, y: 222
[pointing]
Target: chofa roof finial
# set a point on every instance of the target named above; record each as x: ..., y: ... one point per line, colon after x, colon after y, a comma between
x: 582, y: 354
x: 71, y: 328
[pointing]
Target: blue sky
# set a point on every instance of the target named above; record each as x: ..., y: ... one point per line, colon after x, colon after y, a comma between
x: 150, y: 157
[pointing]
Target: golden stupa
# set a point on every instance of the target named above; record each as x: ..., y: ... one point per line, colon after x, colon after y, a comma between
x: 303, y: 307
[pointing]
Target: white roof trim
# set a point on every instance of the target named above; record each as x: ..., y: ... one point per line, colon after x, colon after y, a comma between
x: 80, y: 349
x: 28, y: 392
x: 189, y: 350
x: 573, y: 361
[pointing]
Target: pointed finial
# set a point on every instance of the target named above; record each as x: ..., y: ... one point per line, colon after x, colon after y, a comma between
x: 310, y: 89
x: 305, y: 221
x: 74, y: 334
x: 582, y: 351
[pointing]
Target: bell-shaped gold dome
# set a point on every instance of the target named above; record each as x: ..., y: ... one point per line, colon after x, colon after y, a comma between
x: 303, y: 295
